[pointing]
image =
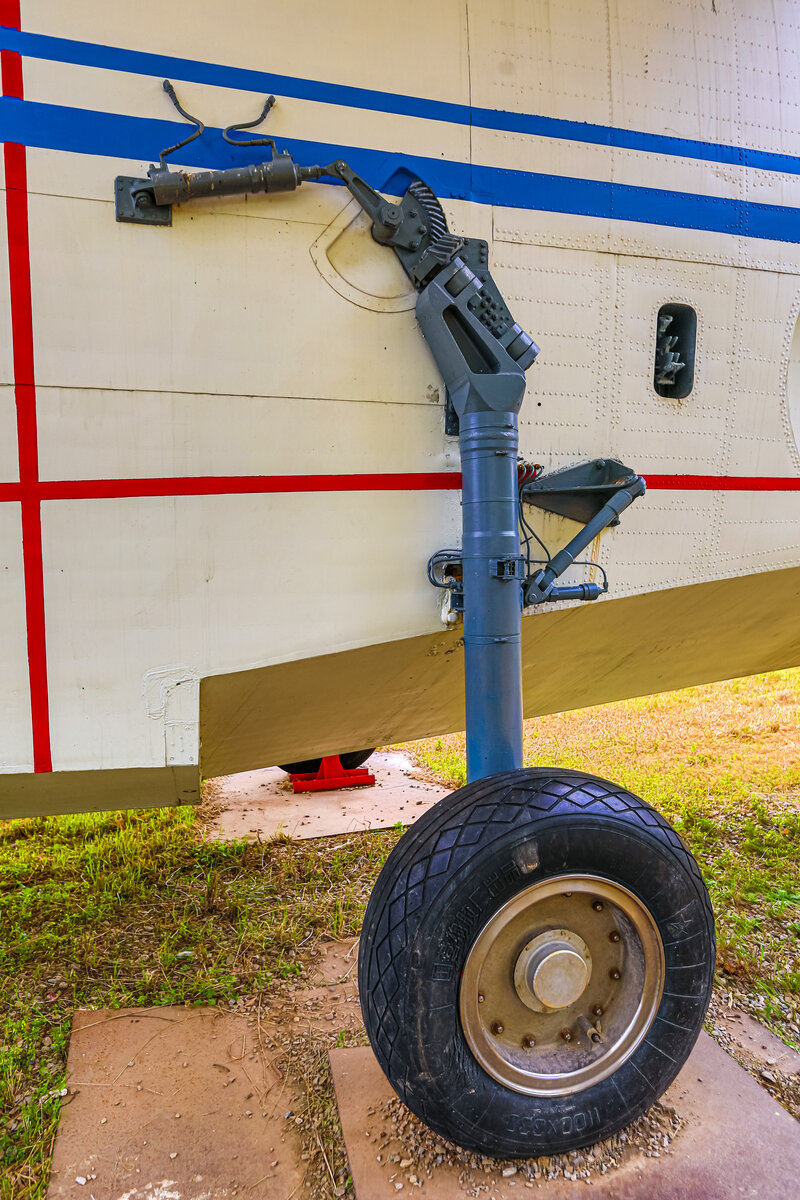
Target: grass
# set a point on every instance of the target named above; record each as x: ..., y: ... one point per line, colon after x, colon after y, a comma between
x: 139, y: 908
x: 134, y: 909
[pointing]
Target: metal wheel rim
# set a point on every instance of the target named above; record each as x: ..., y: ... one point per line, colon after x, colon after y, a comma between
x: 526, y: 1050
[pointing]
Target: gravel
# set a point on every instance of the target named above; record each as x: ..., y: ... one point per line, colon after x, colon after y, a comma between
x: 410, y: 1153
x: 783, y: 1086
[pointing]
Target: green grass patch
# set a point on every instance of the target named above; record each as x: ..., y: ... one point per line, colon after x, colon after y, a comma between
x: 136, y: 908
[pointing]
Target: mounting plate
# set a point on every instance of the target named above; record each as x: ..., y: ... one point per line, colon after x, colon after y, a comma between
x: 135, y: 202
x: 578, y: 492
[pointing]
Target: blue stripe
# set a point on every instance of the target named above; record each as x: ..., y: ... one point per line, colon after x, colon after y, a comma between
x: 85, y: 132
x: 114, y: 58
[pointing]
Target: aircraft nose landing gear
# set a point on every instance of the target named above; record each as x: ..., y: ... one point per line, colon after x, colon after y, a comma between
x: 537, y: 955
x: 538, y: 952
x: 536, y: 962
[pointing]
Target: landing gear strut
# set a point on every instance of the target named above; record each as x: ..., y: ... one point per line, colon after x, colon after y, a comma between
x: 537, y: 955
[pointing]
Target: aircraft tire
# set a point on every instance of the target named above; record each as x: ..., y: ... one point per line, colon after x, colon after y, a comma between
x: 483, y: 923
x: 349, y: 760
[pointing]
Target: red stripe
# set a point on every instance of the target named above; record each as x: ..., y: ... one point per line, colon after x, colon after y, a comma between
x: 239, y: 485
x: 9, y: 13
x: 228, y: 485
x: 10, y: 61
x: 11, y: 66
x: 220, y: 485
x: 724, y: 483
x: 19, y: 273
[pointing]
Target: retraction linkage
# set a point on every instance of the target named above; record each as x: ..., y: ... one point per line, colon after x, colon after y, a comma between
x: 482, y: 355
x: 149, y: 201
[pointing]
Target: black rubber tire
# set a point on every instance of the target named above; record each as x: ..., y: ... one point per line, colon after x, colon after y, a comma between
x: 447, y: 876
x: 349, y: 760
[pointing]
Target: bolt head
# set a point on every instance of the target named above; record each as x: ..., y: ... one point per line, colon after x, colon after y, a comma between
x: 566, y: 1035
x: 529, y: 1041
x: 613, y: 936
x: 481, y: 997
x: 613, y: 973
x: 497, y: 1028
x: 598, y: 906
x: 597, y: 1010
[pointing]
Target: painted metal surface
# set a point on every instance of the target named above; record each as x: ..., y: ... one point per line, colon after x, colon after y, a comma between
x: 153, y: 381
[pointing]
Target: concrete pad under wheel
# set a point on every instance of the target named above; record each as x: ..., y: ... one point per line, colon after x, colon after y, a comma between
x: 174, y: 1102
x: 736, y: 1143
x: 262, y: 803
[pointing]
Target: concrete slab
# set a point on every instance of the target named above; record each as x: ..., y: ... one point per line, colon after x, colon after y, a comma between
x: 736, y: 1142
x: 759, y: 1045
x: 262, y: 803
x: 174, y: 1104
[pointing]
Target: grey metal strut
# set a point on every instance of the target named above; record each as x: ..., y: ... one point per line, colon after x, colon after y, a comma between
x: 482, y: 355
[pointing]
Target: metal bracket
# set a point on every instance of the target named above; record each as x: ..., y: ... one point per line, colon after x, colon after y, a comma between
x: 579, y: 492
x: 508, y: 569
x: 539, y: 588
x: 135, y: 202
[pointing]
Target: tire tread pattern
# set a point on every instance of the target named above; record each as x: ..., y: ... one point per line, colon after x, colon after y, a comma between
x: 442, y: 841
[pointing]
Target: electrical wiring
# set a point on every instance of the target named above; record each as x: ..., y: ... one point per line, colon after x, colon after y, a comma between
x: 525, y: 473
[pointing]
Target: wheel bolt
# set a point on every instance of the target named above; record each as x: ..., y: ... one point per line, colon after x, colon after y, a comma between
x: 481, y: 997
x: 598, y: 906
x: 497, y: 1028
x: 566, y: 1035
x: 613, y: 973
x: 613, y: 936
x: 529, y: 1041
x: 597, y: 1010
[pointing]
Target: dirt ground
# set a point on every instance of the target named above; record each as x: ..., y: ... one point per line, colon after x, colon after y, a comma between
x: 278, y: 1046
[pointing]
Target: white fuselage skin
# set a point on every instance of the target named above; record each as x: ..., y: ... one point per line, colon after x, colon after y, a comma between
x: 616, y: 156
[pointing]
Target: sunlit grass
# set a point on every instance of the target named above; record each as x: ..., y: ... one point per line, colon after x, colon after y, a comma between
x: 722, y: 763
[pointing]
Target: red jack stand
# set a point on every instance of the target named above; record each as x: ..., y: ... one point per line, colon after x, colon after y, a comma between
x: 332, y: 775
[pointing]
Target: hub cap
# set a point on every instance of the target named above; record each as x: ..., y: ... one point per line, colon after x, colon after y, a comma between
x: 553, y: 970
x: 561, y: 985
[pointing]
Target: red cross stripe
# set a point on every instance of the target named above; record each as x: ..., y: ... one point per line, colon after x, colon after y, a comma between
x: 19, y: 270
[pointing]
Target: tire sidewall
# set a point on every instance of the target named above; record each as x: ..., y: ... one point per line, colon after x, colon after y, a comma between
x: 444, y: 1077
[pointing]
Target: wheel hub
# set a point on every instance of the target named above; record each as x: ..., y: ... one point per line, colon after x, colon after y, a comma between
x: 553, y: 970
x: 561, y: 985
